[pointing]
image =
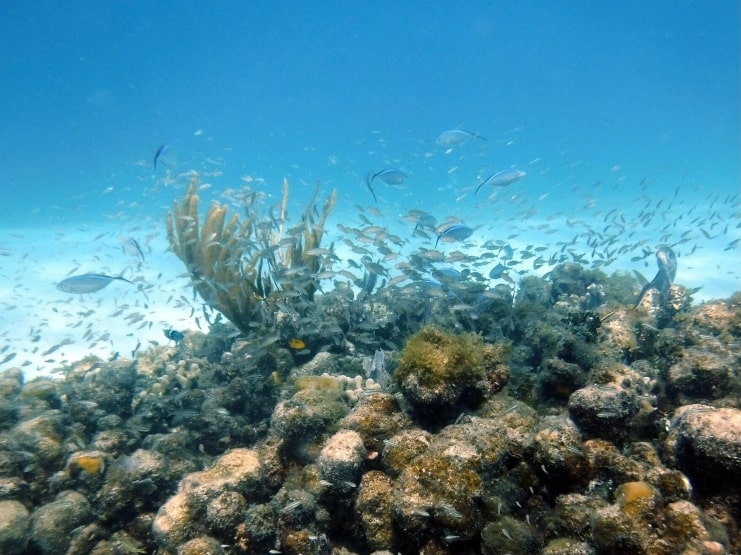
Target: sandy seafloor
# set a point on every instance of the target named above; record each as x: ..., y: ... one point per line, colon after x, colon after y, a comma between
x: 42, y: 328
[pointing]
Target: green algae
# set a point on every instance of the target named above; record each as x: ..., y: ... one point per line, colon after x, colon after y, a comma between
x: 437, y: 358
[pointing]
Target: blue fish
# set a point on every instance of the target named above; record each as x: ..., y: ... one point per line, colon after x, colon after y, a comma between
x: 87, y: 283
x: 174, y: 335
x: 501, y: 179
x: 455, y: 232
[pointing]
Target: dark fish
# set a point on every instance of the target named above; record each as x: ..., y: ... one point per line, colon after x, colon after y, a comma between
x: 87, y: 283
x: 501, y: 179
x: 174, y: 335
x: 390, y: 176
x: 662, y: 282
x: 454, y: 137
x: 455, y: 232
x: 157, y: 154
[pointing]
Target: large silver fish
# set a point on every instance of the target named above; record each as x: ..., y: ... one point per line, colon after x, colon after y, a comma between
x: 87, y: 283
x: 501, y: 179
x: 455, y: 137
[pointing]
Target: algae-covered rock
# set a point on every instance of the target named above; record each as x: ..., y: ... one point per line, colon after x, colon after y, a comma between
x: 439, y: 372
x: 376, y: 417
x: 402, y: 448
x: 42, y: 436
x: 373, y: 508
x: 201, y: 545
x: 568, y: 546
x: 701, y: 374
x: 341, y: 458
x: 705, y: 443
x: 52, y: 523
x: 177, y: 521
x: 603, y: 410
x: 439, y: 488
x: 183, y: 516
x: 558, y: 379
x: 558, y: 453
x: 509, y: 535
x: 572, y: 515
x: 15, y: 523
x: 308, y: 415
x: 140, y: 480
x: 236, y: 470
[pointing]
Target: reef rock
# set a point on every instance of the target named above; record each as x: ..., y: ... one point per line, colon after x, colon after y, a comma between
x: 341, y: 459
x: 705, y: 443
x: 15, y: 525
x: 183, y: 516
x: 603, y: 411
x: 52, y: 523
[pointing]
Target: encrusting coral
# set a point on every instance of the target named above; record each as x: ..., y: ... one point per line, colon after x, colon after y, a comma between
x: 243, y: 269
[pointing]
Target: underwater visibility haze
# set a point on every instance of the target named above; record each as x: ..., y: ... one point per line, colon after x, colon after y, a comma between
x: 391, y: 277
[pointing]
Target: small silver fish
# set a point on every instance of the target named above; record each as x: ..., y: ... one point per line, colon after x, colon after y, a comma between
x: 131, y: 246
x: 87, y: 283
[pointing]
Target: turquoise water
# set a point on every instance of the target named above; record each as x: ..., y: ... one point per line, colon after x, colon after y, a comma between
x: 632, y: 108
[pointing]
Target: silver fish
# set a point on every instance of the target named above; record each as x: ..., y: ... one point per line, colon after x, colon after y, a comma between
x: 454, y: 137
x: 131, y: 246
x: 390, y: 176
x: 667, y: 263
x: 501, y: 179
x: 87, y: 283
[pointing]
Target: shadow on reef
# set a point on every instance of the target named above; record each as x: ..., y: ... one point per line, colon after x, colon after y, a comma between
x: 443, y: 419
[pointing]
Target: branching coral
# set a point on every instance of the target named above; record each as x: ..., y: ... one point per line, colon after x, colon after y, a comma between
x: 249, y: 269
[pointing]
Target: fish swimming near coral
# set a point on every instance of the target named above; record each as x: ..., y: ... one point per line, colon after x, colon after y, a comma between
x: 501, y: 179
x: 667, y: 262
x: 174, y: 335
x: 88, y: 283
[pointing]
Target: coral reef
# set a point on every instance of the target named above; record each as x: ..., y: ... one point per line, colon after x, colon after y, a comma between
x: 567, y: 428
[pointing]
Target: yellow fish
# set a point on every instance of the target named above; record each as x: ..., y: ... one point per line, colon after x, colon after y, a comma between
x: 296, y: 344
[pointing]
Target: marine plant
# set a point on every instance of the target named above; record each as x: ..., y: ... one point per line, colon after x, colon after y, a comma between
x: 249, y: 269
